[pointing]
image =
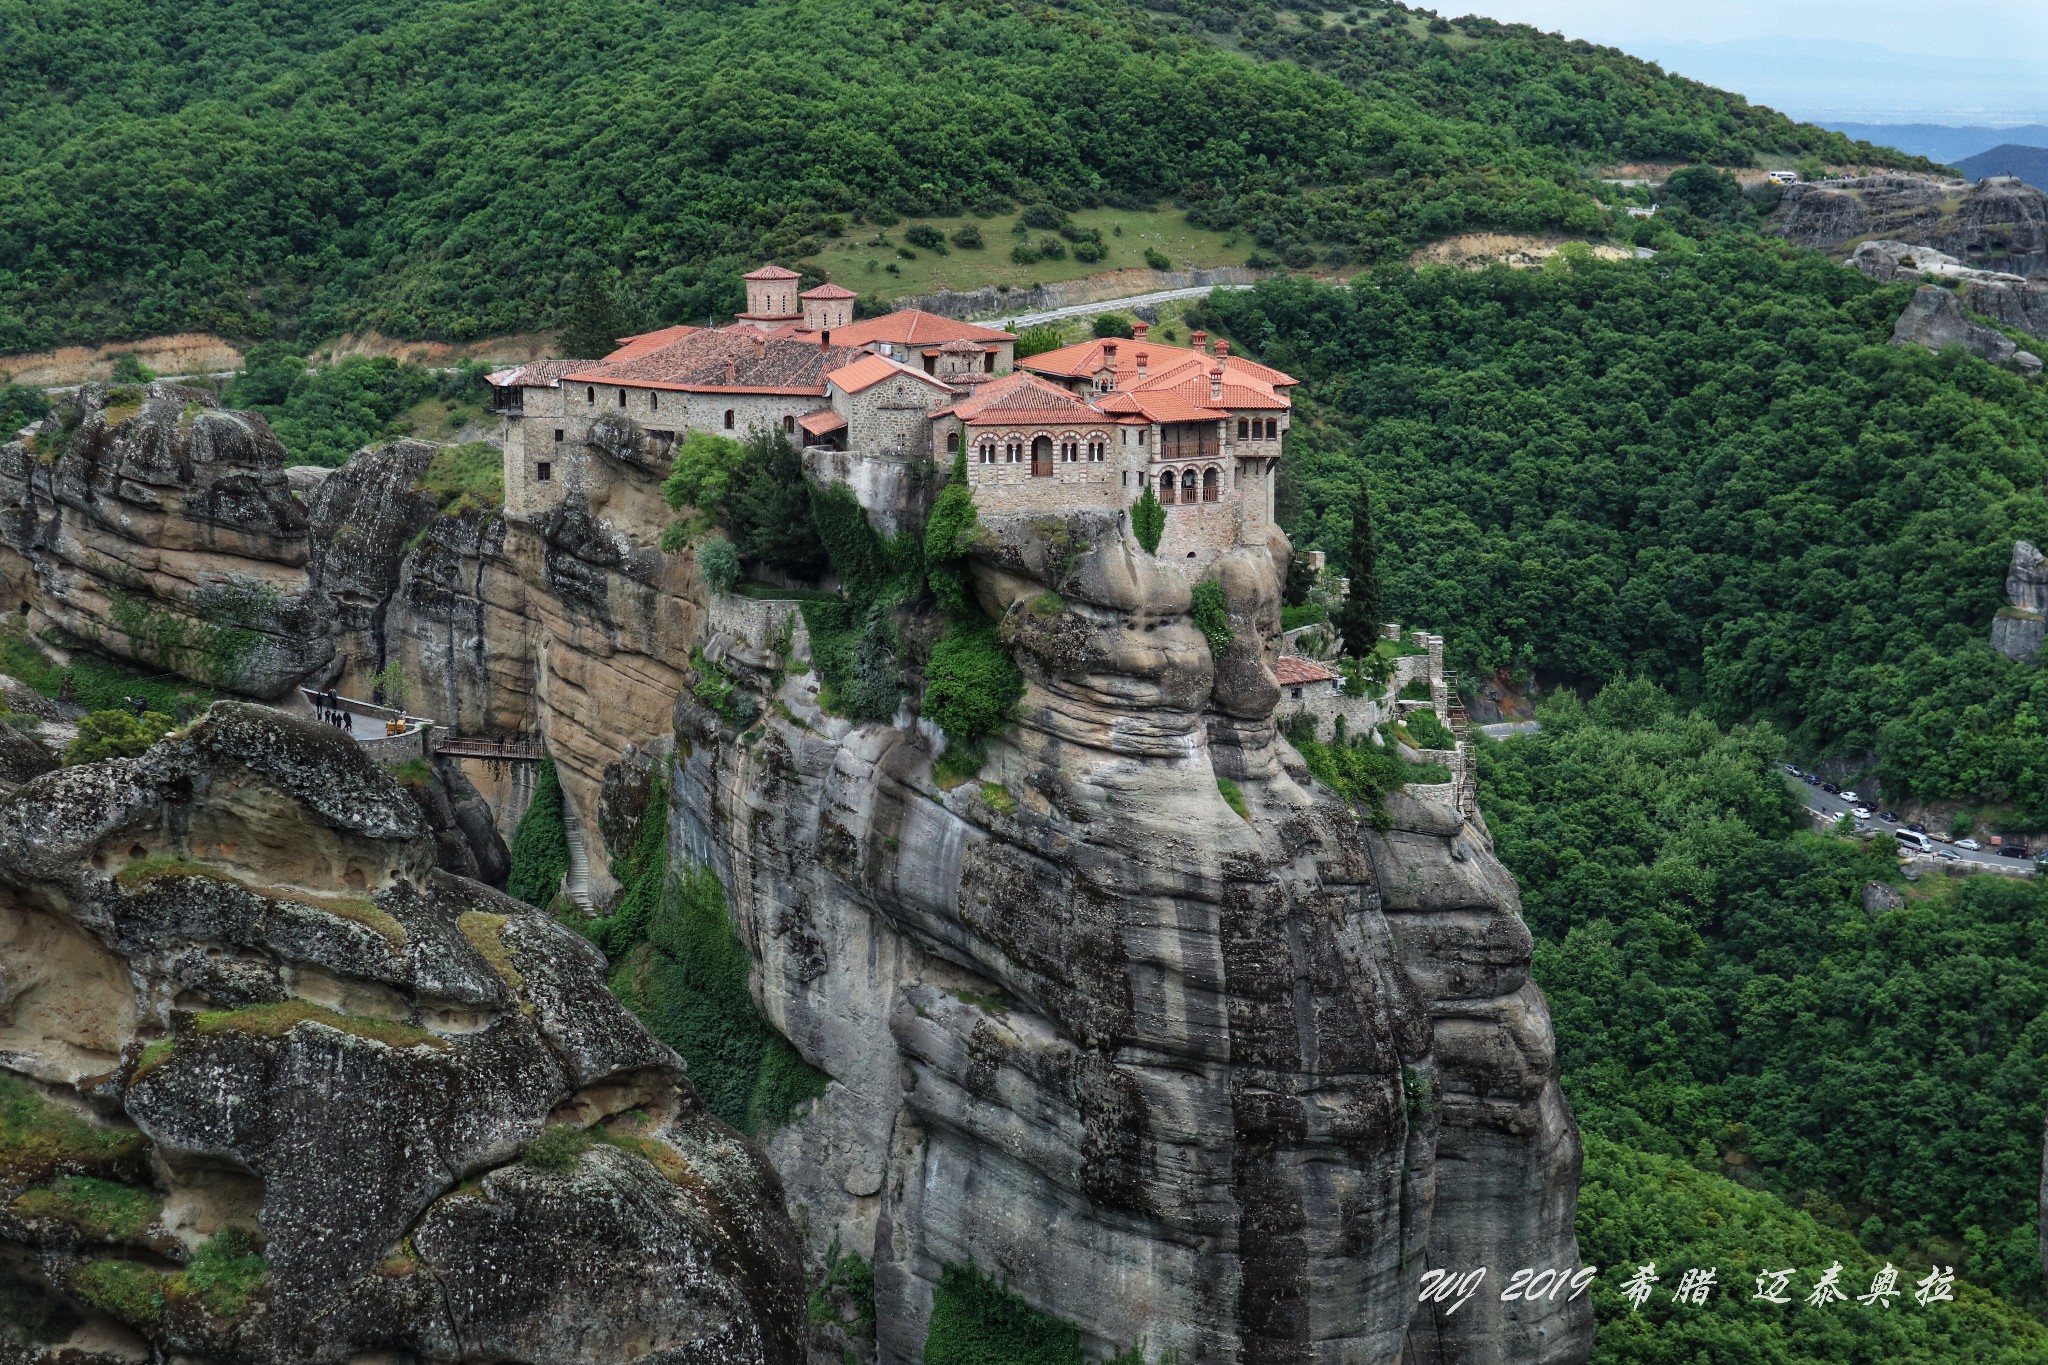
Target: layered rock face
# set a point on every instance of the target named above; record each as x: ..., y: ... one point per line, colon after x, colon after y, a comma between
x: 1999, y: 224
x: 162, y: 529
x: 245, y: 1014
x: 1227, y: 1084
x: 2018, y: 629
x: 1934, y: 318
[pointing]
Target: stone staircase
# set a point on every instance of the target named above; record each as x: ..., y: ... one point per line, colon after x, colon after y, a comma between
x: 577, y: 883
x: 1460, y: 727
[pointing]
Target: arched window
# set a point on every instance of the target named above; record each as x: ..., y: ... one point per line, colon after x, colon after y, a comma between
x: 590, y: 394
x: 788, y: 425
x: 1041, y: 456
x: 952, y: 441
x: 1272, y: 428
x: 622, y: 398
x: 728, y: 419
x: 1166, y: 486
x: 1244, y: 428
x: 653, y: 401
x: 1209, y: 484
x: 1187, y: 486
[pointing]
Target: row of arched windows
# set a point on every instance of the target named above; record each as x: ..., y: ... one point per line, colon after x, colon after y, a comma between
x: 1190, y: 485
x: 1043, y: 451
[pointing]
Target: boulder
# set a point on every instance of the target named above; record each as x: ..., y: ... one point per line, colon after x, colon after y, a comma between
x: 1997, y: 224
x: 2009, y: 300
x: 1934, y: 318
x: 2017, y: 630
x: 349, y: 1105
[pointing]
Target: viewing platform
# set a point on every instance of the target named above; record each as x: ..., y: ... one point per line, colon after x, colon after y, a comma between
x: 390, y: 736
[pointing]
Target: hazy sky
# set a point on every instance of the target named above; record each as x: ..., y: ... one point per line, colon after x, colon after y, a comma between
x: 1942, y: 61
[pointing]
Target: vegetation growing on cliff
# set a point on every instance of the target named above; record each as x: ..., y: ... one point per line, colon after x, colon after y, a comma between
x: 1712, y: 467
x: 1722, y: 998
x: 540, y: 846
x: 199, y: 169
x: 116, y: 734
x: 972, y: 685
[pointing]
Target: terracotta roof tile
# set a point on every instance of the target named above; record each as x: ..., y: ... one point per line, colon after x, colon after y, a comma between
x: 648, y: 342
x: 537, y: 374
x: 1019, y: 396
x: 1293, y: 671
x: 771, y: 272
x: 725, y: 359
x: 829, y: 291
x: 822, y: 422
x: 915, y: 327
x: 872, y: 369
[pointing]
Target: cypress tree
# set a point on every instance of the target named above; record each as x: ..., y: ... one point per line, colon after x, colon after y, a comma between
x: 1358, y: 620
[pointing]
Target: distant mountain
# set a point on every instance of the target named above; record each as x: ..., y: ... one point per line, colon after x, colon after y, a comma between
x: 1938, y: 142
x: 2028, y: 163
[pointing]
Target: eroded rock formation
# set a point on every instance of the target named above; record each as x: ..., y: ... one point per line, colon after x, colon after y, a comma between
x: 2017, y: 630
x: 1998, y: 224
x: 1227, y: 1083
x: 238, y: 991
x: 2011, y: 300
x: 1934, y: 318
x: 162, y: 529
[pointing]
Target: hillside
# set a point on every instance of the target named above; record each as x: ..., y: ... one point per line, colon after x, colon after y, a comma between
x: 445, y: 168
x: 2028, y: 163
x: 1713, y: 469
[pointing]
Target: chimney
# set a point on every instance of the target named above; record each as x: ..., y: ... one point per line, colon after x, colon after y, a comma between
x: 1222, y: 348
x: 825, y: 337
x: 1143, y: 357
x: 1109, y: 352
x: 760, y: 345
x: 1199, y: 340
x: 1138, y: 330
x: 1215, y: 381
x: 731, y: 375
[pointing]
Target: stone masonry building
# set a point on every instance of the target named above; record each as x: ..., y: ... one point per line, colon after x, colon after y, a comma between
x: 873, y: 402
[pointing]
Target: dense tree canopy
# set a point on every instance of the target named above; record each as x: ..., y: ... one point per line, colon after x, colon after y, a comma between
x: 457, y: 169
x: 1713, y: 467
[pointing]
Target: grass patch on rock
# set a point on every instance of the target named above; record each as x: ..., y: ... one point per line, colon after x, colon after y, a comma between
x: 275, y: 1019
x: 486, y: 934
x: 1233, y: 797
x: 99, y: 1210
x: 38, y: 1135
x: 127, y: 1291
x: 465, y: 477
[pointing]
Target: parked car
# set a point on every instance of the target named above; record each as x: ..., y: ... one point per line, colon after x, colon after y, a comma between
x: 1831, y: 789
x: 1792, y: 768
x: 1917, y: 829
x: 1942, y: 838
x: 1970, y: 844
x: 2012, y: 851
x: 1810, y: 779
x: 1949, y: 854
x: 1888, y: 817
x: 1851, y: 797
x: 1860, y: 812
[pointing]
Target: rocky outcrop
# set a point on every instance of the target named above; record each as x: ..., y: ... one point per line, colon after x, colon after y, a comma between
x: 1934, y: 318
x: 2000, y: 224
x: 2010, y: 300
x: 161, y: 529
x: 2018, y: 628
x: 1227, y: 1083
x: 345, y: 1106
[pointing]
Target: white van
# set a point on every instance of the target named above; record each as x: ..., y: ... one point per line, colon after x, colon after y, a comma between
x: 1919, y: 843
x: 1785, y: 177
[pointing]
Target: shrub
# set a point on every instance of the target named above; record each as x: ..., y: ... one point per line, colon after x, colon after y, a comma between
x: 1299, y: 257
x: 1157, y: 259
x: 540, y: 846
x: 1111, y: 325
x: 1047, y: 216
x: 1307, y: 614
x: 1089, y: 251
x: 947, y: 534
x: 463, y: 477
x: 1233, y: 797
x: 1052, y: 248
x: 702, y: 471
x: 117, y: 734
x: 129, y: 369
x: 1038, y: 340
x: 1148, y: 520
x: 972, y: 685
x: 718, y: 562
x: 1261, y: 259
x: 924, y: 235
x: 1428, y: 731
x: 977, y: 1321
x: 967, y: 237
x: 1025, y: 254
x: 1212, y: 615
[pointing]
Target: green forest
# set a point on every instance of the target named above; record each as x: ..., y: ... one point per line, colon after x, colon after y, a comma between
x: 454, y: 169
x: 1765, y: 1072
x: 1712, y: 468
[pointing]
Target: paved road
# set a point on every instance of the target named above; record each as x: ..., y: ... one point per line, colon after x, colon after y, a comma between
x: 1089, y: 310
x: 1502, y: 729
x: 1834, y: 807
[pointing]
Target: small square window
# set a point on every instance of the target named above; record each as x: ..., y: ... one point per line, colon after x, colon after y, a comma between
x: 558, y: 433
x: 545, y: 472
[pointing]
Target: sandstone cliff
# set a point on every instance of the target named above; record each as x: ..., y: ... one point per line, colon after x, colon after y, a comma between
x: 2017, y: 630
x: 162, y: 529
x: 1999, y: 224
x: 1934, y: 318
x: 277, y: 1089
x: 1226, y: 1084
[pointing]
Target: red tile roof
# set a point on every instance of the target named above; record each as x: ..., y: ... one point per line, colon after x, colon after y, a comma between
x: 647, y: 342
x: 872, y: 369
x: 914, y: 327
x: 828, y: 291
x: 1293, y: 671
x: 725, y: 360
x: 1021, y: 397
x: 822, y: 422
x: 1176, y: 383
x: 771, y: 272
x: 539, y: 374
